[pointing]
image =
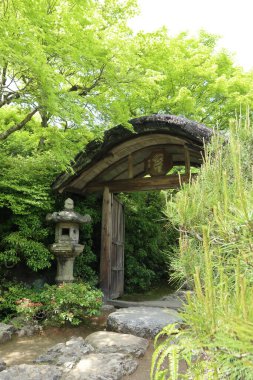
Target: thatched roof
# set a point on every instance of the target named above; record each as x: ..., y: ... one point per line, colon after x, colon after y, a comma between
x: 163, y: 130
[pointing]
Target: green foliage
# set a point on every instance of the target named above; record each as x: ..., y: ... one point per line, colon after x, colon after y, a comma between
x: 10, y: 294
x: 67, y: 303
x: 163, y: 350
x: 147, y: 240
x: 71, y: 303
x: 215, y: 218
x: 189, y: 76
x: 79, y: 65
x: 86, y: 265
x: 60, y: 53
x: 26, y: 173
x: 80, y: 68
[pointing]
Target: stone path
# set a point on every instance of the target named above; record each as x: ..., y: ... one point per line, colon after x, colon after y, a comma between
x: 103, y: 355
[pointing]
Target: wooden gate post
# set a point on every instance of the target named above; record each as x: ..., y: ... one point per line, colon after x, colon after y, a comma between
x: 106, y: 243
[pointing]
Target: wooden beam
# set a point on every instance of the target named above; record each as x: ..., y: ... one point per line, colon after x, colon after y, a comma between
x: 187, y: 161
x: 175, y: 147
x: 140, y: 166
x: 140, y: 184
x: 130, y: 166
x: 120, y: 151
x: 106, y: 243
x: 123, y: 172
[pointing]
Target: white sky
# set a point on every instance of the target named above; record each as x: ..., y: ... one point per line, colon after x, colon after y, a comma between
x: 232, y: 19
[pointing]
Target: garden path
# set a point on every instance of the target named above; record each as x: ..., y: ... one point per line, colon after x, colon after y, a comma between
x: 26, y: 349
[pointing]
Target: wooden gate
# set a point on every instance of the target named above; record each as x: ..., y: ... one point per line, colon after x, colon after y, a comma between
x: 117, y: 249
x: 112, y: 247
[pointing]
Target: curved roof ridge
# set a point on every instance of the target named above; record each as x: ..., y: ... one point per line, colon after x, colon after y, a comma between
x: 177, y: 126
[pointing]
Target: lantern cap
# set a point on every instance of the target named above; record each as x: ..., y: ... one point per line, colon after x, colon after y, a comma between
x: 68, y: 214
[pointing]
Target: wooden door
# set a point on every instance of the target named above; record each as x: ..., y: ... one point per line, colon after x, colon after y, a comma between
x: 117, y: 250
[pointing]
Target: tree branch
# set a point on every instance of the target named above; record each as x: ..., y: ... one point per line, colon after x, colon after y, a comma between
x: 9, y: 98
x: 18, y: 126
x: 45, y: 116
x: 4, y: 78
x: 12, y: 95
x: 85, y: 90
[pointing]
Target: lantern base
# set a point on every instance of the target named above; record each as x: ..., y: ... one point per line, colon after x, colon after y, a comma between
x: 65, y: 254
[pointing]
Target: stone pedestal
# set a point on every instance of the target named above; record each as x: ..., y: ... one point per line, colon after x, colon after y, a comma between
x: 65, y: 254
x: 64, y: 269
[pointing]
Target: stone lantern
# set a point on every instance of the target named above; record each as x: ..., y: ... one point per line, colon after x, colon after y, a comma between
x: 66, y: 247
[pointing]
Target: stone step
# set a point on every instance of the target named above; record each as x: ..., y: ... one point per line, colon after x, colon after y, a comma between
x: 171, y: 303
x: 142, y: 321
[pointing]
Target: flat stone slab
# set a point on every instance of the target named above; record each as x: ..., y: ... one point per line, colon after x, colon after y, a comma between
x: 6, y: 332
x: 141, y: 321
x: 168, y: 302
x: 102, y: 367
x: 109, y: 342
x: 31, y: 372
x: 174, y: 300
x: 66, y: 354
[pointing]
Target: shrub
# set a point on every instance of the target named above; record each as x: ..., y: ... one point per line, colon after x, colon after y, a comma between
x: 10, y: 294
x: 215, y: 218
x: 73, y: 303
